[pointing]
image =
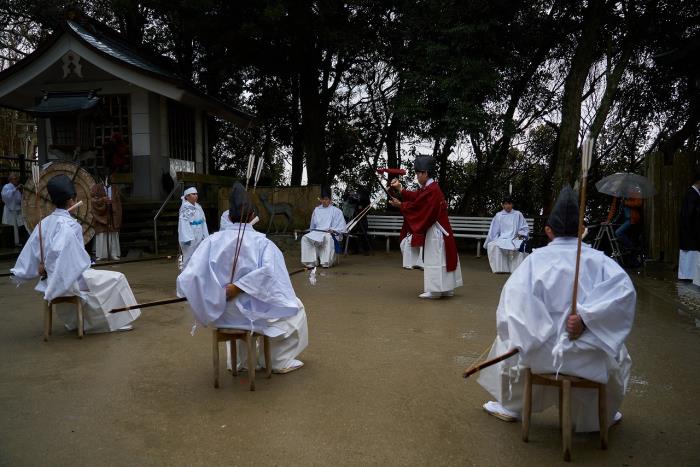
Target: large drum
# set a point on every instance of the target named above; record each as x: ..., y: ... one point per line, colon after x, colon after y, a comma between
x: 82, y: 180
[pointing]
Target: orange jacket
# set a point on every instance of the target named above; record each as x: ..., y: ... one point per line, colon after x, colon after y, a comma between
x: 635, y: 205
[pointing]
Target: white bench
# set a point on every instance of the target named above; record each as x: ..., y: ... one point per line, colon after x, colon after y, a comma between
x: 462, y: 227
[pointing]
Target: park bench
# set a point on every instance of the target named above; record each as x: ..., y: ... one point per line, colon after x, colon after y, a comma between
x: 462, y: 227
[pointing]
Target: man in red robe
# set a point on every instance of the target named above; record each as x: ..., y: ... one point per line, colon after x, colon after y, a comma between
x: 425, y: 216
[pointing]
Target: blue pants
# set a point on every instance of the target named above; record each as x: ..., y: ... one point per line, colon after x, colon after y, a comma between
x: 621, y: 234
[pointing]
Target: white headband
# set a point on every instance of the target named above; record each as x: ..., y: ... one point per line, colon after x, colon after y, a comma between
x: 189, y: 191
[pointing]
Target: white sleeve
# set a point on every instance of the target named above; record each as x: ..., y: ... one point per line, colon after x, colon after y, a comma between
x: 608, y: 309
x: 7, y: 193
x: 313, y: 223
x: 65, y: 261
x: 184, y: 230
x: 204, y: 227
x: 339, y: 224
x: 494, y: 230
x: 523, y: 228
x: 27, y: 264
x: 202, y: 285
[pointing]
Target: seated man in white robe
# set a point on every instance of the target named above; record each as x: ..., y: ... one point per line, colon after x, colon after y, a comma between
x: 260, y: 296
x: 534, y: 316
x: 192, y: 224
x: 65, y: 270
x: 327, y: 227
x: 506, y: 234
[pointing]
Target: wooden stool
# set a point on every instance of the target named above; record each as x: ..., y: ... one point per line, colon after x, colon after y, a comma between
x: 48, y: 314
x: 565, y: 383
x: 232, y: 335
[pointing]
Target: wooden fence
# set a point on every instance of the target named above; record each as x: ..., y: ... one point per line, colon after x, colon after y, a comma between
x: 294, y: 204
x: 661, y: 213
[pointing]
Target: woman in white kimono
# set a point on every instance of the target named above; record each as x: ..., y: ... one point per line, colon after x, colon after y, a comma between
x: 327, y: 223
x: 66, y: 269
x: 506, y: 234
x: 533, y: 316
x: 192, y: 225
x: 260, y: 297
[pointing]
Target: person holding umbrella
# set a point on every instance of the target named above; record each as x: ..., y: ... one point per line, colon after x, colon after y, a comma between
x: 629, y: 190
x: 627, y: 209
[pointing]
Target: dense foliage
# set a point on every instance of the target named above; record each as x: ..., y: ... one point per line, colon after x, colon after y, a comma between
x: 500, y: 92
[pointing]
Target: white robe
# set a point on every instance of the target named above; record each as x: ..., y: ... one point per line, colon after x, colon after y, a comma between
x: 532, y: 314
x: 107, y: 245
x: 412, y: 256
x: 688, y: 263
x: 192, y: 229
x: 502, y: 243
x: 12, y: 211
x: 436, y: 278
x: 68, y: 273
x: 267, y: 303
x: 318, y: 243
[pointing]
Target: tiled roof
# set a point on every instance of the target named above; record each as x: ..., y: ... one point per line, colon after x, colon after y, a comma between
x: 118, y: 49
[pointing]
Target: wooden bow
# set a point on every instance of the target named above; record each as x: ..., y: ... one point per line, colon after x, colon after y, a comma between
x: 168, y: 301
x: 477, y: 367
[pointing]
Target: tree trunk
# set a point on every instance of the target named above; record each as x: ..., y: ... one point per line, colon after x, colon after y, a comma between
x: 297, y: 138
x: 567, y: 142
x: 392, y: 134
x: 312, y: 130
x: 443, y: 154
x: 611, y: 86
x: 308, y: 58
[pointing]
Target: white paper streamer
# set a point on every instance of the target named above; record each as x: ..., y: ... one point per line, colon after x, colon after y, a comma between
x: 517, y: 377
x: 558, y: 352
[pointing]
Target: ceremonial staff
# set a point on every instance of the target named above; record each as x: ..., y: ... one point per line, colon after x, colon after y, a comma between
x: 586, y: 157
